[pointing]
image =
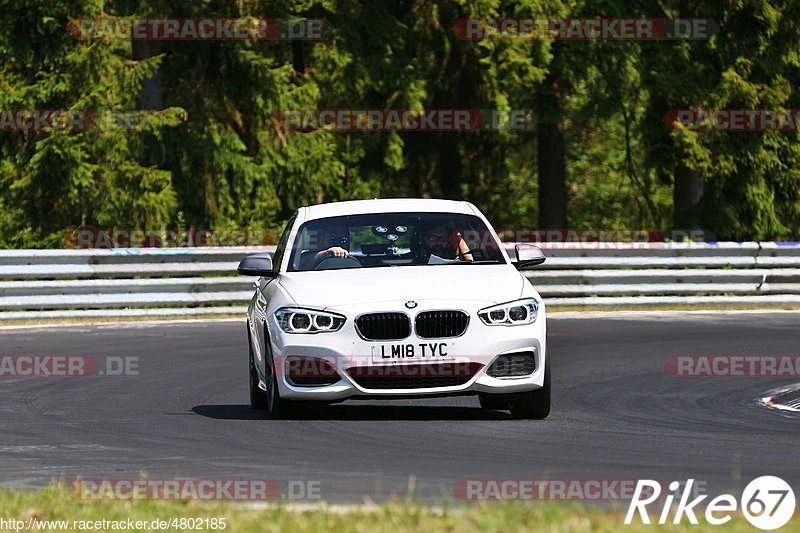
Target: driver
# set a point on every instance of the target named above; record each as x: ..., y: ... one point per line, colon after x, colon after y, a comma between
x: 438, y: 240
x: 334, y: 241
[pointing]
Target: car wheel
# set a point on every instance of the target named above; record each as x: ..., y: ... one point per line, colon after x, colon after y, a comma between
x: 258, y: 398
x: 533, y: 404
x: 278, y: 407
x: 493, y: 402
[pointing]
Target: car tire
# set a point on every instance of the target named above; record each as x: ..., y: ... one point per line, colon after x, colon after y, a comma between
x: 533, y: 404
x: 258, y: 398
x: 279, y: 408
x: 493, y: 402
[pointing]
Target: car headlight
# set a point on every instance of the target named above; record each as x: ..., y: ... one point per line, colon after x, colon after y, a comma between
x: 510, y: 314
x: 296, y: 320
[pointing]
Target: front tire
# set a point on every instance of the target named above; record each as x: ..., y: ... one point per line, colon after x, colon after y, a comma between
x: 493, y: 402
x: 258, y: 398
x: 279, y: 408
x: 533, y: 404
x: 270, y: 400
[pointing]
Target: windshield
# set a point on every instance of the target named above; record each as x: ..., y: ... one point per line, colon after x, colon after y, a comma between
x: 393, y: 239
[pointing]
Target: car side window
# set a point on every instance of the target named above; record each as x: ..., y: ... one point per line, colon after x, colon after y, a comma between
x: 277, y: 258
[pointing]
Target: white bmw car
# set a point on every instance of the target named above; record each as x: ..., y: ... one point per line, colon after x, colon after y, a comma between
x: 395, y: 298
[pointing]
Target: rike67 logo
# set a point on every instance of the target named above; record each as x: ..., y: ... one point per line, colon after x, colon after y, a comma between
x: 767, y: 503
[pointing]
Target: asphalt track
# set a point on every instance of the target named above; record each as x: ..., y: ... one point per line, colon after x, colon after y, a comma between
x: 617, y: 414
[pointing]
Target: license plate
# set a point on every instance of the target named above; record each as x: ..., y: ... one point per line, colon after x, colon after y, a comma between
x: 413, y: 351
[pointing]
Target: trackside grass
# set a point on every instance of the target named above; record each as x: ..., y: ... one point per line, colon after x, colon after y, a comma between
x: 37, y: 507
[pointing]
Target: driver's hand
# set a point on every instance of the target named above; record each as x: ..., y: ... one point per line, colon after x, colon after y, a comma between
x: 337, y: 251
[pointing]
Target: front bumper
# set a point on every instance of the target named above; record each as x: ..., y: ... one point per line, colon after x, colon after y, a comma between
x: 480, y: 346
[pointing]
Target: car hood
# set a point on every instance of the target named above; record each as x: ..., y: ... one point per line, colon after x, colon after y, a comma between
x: 338, y: 288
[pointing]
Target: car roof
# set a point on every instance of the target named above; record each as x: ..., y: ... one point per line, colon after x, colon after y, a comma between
x: 388, y: 205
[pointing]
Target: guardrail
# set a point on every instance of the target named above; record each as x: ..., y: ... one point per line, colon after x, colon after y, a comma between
x: 193, y: 281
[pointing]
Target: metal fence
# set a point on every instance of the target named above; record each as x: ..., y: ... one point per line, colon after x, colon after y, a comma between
x: 194, y: 281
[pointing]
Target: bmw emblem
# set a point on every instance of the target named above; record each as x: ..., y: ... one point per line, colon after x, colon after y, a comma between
x: 411, y: 304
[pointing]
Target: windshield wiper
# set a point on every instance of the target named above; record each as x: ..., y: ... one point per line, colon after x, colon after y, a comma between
x: 481, y: 262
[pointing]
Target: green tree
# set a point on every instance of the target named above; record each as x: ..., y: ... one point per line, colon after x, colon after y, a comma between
x: 738, y: 185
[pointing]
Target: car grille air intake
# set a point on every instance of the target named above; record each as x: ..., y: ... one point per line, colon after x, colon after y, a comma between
x: 383, y: 326
x: 511, y: 365
x: 441, y: 324
x: 310, y: 372
x: 414, y: 376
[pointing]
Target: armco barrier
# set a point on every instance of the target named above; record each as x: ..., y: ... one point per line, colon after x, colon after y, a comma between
x: 44, y: 284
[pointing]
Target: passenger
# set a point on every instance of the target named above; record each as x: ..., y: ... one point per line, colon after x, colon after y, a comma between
x: 447, y: 244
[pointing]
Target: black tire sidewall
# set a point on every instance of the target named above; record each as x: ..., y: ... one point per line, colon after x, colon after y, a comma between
x: 533, y: 404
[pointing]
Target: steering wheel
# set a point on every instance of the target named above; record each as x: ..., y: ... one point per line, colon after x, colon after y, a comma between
x: 335, y: 263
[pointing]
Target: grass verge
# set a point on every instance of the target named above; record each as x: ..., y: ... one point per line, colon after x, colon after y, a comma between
x: 58, y: 504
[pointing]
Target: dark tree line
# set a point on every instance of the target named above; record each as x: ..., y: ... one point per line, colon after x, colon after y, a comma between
x: 214, y: 156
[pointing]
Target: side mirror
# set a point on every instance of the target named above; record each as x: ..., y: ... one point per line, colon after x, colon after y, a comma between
x: 257, y: 265
x: 528, y: 256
